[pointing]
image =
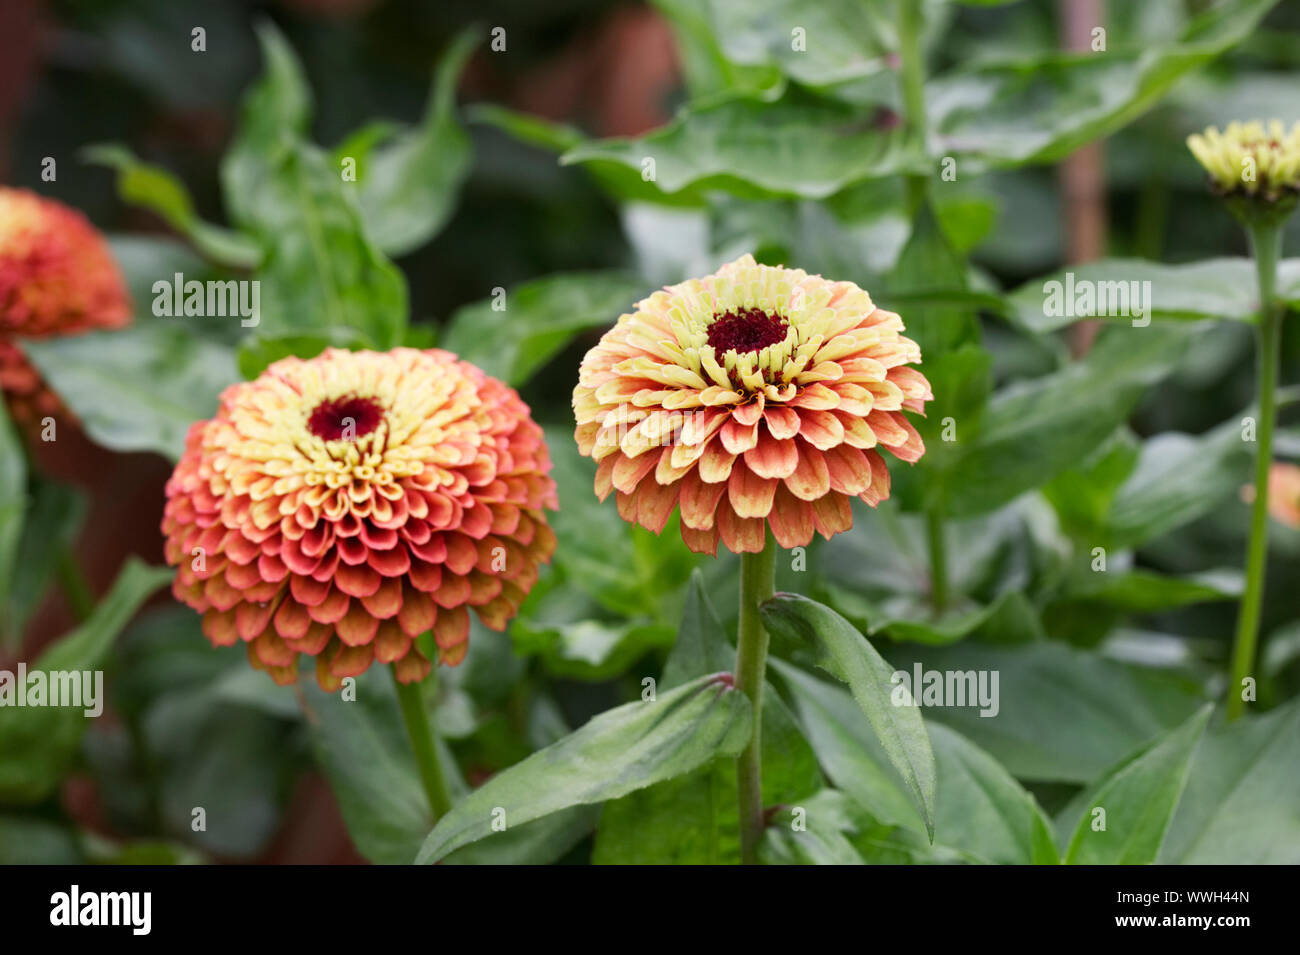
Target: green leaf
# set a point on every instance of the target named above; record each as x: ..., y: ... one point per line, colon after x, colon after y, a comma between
x: 321, y: 271
x: 513, y: 336
x: 1178, y: 479
x: 982, y: 812
x: 1239, y: 803
x: 258, y: 351
x: 1082, y: 495
x: 52, y: 522
x: 795, y: 147
x: 362, y: 747
x: 408, y: 186
x: 1033, y: 430
x: 33, y: 840
x: 847, y: 655
x: 694, y: 819
x: 539, y: 842
x: 239, y: 775
x: 274, y: 115
x: 13, y: 503
x: 839, y: 831
x: 622, y: 567
x: 707, y: 70
x: 1215, y: 288
x: 1040, y: 108
x: 1145, y: 591
x: 139, y: 388
x: 1063, y: 715
x: 157, y: 190
x: 702, y: 646
x: 617, y: 752
x: 851, y: 40
x: 525, y: 127
x: 1139, y: 799
x: 37, y: 743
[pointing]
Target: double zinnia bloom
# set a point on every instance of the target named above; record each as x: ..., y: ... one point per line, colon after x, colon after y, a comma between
x: 342, y: 506
x: 755, y: 397
x: 57, y: 277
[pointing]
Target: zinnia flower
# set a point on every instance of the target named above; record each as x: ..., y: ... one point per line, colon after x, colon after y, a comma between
x: 57, y: 277
x: 1247, y: 159
x: 342, y: 506
x: 756, y: 395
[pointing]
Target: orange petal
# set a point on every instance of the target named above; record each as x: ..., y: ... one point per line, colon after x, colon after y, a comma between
x: 791, y: 519
x: 849, y: 471
x: 811, y: 478
x: 750, y: 494
x: 699, y: 501
x: 772, y: 458
x: 741, y: 534
x: 832, y: 514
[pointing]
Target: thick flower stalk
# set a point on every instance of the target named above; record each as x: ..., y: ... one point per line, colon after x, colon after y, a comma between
x: 57, y: 277
x: 342, y: 506
x: 1256, y: 170
x: 755, y: 397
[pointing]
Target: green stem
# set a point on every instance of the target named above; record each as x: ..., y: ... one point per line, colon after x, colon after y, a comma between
x: 420, y: 728
x: 72, y: 581
x: 912, y: 80
x: 1266, y: 242
x: 756, y: 586
x: 938, y: 559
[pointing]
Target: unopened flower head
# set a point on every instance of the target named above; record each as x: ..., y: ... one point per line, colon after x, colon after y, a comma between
x: 1283, y: 493
x: 57, y: 277
x: 756, y: 396
x: 342, y: 506
x: 1251, y: 160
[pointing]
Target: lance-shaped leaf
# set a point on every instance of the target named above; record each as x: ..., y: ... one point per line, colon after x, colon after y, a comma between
x: 1035, y: 429
x: 162, y: 193
x: 37, y: 743
x: 617, y: 752
x: 844, y: 653
x: 275, y: 113
x: 1239, y: 805
x: 408, y: 186
x: 1122, y: 290
x: 1136, y: 802
x: 321, y: 270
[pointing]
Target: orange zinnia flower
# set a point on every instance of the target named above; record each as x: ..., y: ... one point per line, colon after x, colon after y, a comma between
x: 756, y: 395
x: 342, y: 506
x: 57, y: 277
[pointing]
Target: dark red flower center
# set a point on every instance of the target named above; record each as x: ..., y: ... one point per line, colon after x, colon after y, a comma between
x: 349, y: 417
x: 746, y: 330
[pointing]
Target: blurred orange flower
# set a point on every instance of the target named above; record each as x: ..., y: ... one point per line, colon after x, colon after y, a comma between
x: 1283, y: 493
x: 57, y: 277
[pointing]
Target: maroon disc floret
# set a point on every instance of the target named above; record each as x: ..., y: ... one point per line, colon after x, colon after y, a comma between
x: 746, y: 330
x: 347, y: 417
